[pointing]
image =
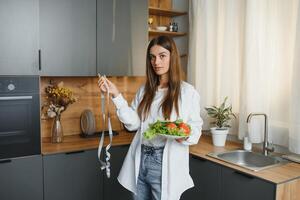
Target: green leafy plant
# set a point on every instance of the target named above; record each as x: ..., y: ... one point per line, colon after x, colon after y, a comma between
x: 221, y: 115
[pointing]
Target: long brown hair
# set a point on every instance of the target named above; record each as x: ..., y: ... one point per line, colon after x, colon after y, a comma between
x: 174, y: 74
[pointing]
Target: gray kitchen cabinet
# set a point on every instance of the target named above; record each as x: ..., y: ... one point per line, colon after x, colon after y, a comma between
x: 238, y: 185
x: 216, y: 182
x: 68, y: 37
x: 72, y: 176
x: 206, y: 177
x: 121, y: 37
x: 21, y: 178
x: 112, y: 188
x: 19, y: 37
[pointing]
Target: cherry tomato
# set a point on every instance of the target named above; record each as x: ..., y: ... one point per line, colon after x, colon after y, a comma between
x: 171, y: 125
x: 185, y: 128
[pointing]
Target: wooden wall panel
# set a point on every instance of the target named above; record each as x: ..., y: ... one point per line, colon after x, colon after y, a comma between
x: 154, y: 3
x: 88, y: 94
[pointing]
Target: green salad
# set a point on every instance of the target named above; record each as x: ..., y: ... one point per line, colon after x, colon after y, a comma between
x: 175, y: 128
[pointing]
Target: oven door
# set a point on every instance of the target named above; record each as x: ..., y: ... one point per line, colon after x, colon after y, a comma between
x: 20, y: 125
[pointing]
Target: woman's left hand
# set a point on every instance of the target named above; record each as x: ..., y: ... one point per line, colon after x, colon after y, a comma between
x: 180, y: 140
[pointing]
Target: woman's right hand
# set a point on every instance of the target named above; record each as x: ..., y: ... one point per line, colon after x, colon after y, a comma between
x: 105, y: 84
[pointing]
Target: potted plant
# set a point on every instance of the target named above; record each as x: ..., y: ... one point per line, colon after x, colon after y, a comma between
x: 221, y: 116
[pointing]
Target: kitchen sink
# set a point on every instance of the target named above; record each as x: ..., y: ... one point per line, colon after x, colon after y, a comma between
x: 248, y: 159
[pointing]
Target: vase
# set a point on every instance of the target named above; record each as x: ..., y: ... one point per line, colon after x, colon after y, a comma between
x: 219, y: 136
x: 56, y: 130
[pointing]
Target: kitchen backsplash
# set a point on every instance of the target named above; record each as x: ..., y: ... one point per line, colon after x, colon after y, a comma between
x: 88, y: 94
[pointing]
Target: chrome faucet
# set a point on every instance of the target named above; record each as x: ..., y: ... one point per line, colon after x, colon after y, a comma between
x: 266, y: 148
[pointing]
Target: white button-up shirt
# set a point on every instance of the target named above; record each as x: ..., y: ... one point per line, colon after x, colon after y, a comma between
x: 175, y: 168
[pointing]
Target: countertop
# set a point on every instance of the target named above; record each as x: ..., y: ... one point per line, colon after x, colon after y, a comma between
x: 277, y: 175
x: 77, y: 143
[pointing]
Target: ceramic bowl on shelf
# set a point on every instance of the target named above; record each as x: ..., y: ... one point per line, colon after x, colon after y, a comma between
x: 161, y: 28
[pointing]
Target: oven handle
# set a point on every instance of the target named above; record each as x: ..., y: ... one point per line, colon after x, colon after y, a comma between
x: 15, y: 98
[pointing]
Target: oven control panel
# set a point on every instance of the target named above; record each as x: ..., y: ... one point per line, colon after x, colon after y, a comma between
x: 8, y: 85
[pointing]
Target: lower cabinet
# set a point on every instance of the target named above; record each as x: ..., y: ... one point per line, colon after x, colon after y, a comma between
x: 206, y: 177
x: 216, y: 182
x: 73, y: 176
x: 237, y: 185
x: 77, y: 176
x: 21, y: 178
x: 113, y: 190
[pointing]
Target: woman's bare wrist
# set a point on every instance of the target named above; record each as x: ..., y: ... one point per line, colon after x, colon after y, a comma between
x: 114, y: 95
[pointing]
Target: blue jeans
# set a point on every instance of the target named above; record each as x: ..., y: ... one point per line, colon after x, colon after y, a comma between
x: 149, y: 179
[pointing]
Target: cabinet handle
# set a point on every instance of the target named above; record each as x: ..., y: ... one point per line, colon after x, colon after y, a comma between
x: 5, y: 161
x: 199, y: 158
x: 244, y: 174
x: 74, y: 152
x: 40, y: 60
x: 15, y: 98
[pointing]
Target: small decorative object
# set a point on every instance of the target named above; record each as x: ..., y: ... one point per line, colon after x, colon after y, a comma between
x: 58, y: 99
x: 221, y: 115
x: 171, y: 27
x: 161, y: 28
x: 175, y: 27
x: 150, y: 22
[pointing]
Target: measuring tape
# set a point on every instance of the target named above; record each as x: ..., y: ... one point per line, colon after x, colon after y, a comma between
x: 105, y: 164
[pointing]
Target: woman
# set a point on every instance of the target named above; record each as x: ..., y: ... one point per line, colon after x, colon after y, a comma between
x: 158, y: 168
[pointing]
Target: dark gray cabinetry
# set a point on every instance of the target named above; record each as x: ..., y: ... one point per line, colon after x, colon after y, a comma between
x: 112, y: 188
x: 237, y: 185
x: 68, y: 37
x: 21, y: 178
x: 206, y: 177
x: 73, y: 37
x: 19, y: 37
x: 216, y: 182
x: 121, y: 37
x: 72, y: 176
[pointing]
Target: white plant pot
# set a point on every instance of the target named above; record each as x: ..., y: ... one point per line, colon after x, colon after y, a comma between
x: 219, y: 136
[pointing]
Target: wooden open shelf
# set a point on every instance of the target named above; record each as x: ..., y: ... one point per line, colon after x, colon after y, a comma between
x: 165, y: 12
x: 168, y: 33
x: 183, y: 56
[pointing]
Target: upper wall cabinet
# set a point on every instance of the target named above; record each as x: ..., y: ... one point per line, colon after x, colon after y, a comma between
x: 73, y: 37
x: 19, y: 37
x: 121, y: 37
x: 68, y: 37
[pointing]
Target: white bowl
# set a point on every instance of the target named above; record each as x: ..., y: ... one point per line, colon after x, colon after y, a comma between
x: 161, y: 28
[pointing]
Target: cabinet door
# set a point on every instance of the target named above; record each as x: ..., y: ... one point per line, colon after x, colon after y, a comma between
x: 72, y: 176
x: 114, y: 30
x: 206, y: 177
x: 21, y: 178
x: 121, y: 37
x: 19, y: 37
x: 68, y: 37
x: 237, y: 185
x: 112, y: 188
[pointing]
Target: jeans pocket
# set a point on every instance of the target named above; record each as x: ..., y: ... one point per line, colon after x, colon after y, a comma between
x: 158, y: 158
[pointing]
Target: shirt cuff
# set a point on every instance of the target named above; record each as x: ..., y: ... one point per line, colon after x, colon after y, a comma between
x: 119, y: 101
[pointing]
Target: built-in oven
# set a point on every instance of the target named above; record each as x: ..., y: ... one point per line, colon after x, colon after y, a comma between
x: 19, y: 116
